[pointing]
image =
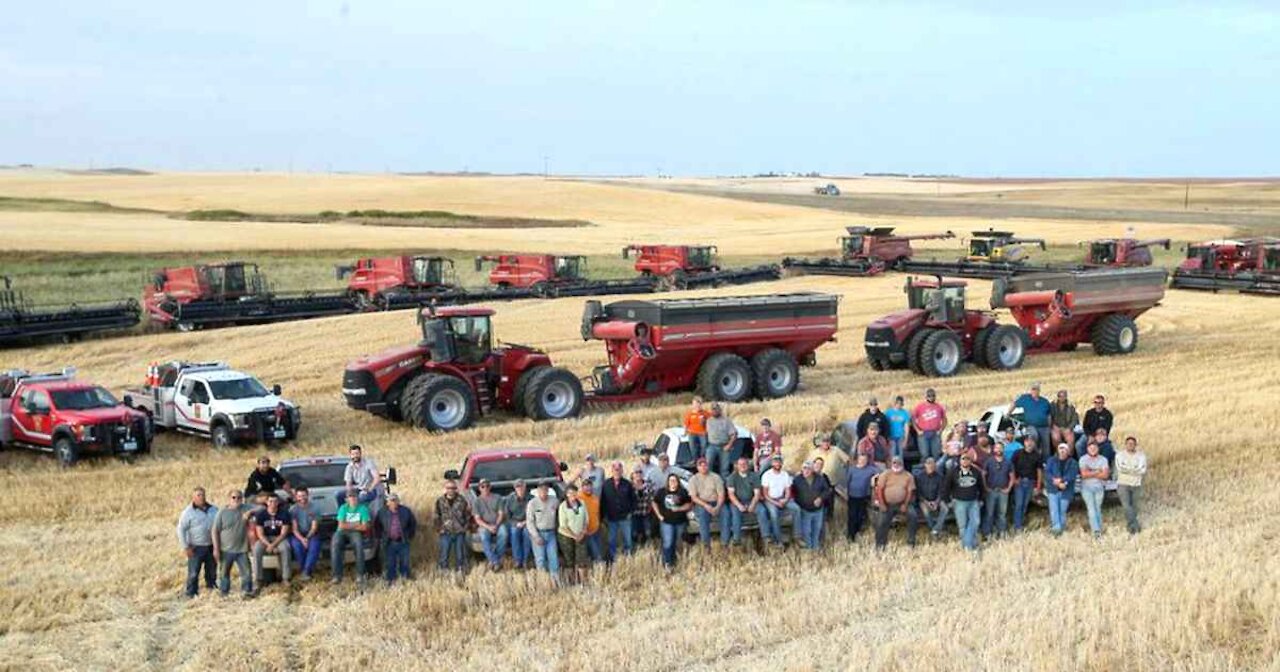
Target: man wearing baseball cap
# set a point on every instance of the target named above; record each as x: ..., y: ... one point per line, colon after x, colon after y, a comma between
x: 810, y: 496
x: 706, y: 488
x: 1037, y: 413
x: 396, y: 525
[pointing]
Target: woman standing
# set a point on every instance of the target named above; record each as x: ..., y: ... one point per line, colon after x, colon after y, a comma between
x: 672, y: 507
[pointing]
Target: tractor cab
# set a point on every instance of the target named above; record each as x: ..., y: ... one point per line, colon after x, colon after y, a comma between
x: 432, y: 271
x: 572, y: 267
x: 1271, y: 258
x: 700, y: 256
x: 942, y: 299
x: 461, y: 334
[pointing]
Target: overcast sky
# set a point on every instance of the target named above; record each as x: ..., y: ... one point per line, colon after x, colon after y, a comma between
x: 981, y: 88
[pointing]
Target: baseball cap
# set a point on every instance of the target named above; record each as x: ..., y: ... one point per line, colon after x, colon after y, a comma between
x: 766, y: 422
x: 808, y: 464
x: 776, y: 458
x: 393, y: 497
x: 930, y: 393
x: 591, y: 457
x: 1035, y: 386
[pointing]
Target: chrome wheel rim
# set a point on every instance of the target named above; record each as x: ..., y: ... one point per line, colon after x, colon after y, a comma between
x: 448, y: 408
x: 1010, y: 350
x: 947, y: 356
x: 558, y: 399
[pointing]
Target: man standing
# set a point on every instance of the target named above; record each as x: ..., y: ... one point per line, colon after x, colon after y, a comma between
x: 894, y: 493
x: 875, y: 446
x: 811, y: 492
x: 541, y: 517
x: 618, y: 503
x: 858, y: 481
x: 775, y: 485
x: 194, y: 535
x: 362, y: 474
x: 514, y: 514
x: 398, y: 525
x: 929, y: 488
x: 743, y: 490
x: 1131, y: 466
x: 487, y: 517
x: 264, y: 480
x: 594, y: 541
x: 899, y: 424
x: 1000, y: 481
x: 721, y: 435
x: 1036, y: 413
x: 572, y: 535
x: 230, y: 536
x: 873, y: 416
x: 1094, y: 472
x: 964, y: 487
x: 768, y: 443
x: 706, y: 489
x: 695, y: 430
x: 653, y: 474
x: 1028, y: 473
x: 1010, y: 445
x: 658, y: 479
x: 1064, y: 420
x: 590, y: 472
x: 1061, y: 472
x: 271, y: 526
x: 928, y: 418
x: 304, y: 533
x: 453, y: 518
x: 1098, y: 417
x: 642, y: 521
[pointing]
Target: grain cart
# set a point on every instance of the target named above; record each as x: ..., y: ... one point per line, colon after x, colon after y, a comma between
x: 23, y: 321
x: 865, y: 251
x: 193, y: 297
x: 992, y: 254
x: 1121, y: 252
x: 1249, y: 266
x: 728, y: 349
x: 1054, y: 311
x: 690, y: 266
x: 549, y: 275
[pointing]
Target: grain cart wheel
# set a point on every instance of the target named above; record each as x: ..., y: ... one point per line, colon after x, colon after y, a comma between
x: 776, y: 373
x: 980, y: 345
x: 553, y: 394
x: 66, y: 451
x: 1006, y: 348
x: 221, y: 436
x: 439, y: 403
x: 914, y: 344
x: 941, y: 354
x: 522, y: 383
x: 1115, y: 335
x: 724, y: 376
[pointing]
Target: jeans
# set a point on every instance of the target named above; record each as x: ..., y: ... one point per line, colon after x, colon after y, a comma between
x: 494, y: 544
x: 306, y: 557
x: 671, y: 533
x: 619, y: 535
x: 260, y: 550
x: 546, y: 556
x: 772, y: 529
x: 886, y: 519
x: 811, y: 528
x: 718, y: 459
x: 737, y: 517
x: 241, y: 561
x: 930, y: 444
x: 1058, y: 504
x: 1129, y: 496
x: 697, y: 445
x: 967, y: 515
x: 1044, y: 438
x: 520, y: 551
x: 995, y: 513
x: 395, y: 556
x: 704, y: 524
x: 857, y: 516
x: 935, y: 519
x: 732, y: 453
x: 454, y: 543
x: 898, y: 447
x: 1093, y: 504
x: 1022, y: 493
x: 342, y: 539
x: 595, y: 544
x: 642, y: 528
x: 201, y: 556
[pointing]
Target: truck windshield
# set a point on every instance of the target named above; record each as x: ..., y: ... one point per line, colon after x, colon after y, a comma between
x: 527, y: 468
x: 240, y: 388
x: 83, y: 400
x: 313, y: 476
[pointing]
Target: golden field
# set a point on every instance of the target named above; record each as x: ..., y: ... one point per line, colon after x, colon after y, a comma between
x: 92, y: 572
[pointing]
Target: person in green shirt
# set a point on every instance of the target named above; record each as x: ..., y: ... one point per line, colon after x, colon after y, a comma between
x: 744, y: 499
x: 353, y: 523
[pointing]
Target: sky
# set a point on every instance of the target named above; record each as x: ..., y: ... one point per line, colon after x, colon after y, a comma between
x: 981, y: 88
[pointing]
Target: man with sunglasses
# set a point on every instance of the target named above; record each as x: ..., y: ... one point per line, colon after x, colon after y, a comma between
x: 1098, y: 417
x: 231, y: 544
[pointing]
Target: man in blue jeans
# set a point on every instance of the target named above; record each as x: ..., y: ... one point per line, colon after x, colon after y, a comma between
x: 743, y: 490
x: 195, y: 535
x: 999, y: 480
x: 453, y: 518
x: 965, y: 489
x: 810, y: 496
x: 775, y: 487
x: 1037, y: 413
x: 707, y: 491
x: 487, y: 515
x: 617, y: 505
x: 304, y: 534
x: 541, y: 523
x: 929, y: 418
x: 396, y: 526
x: 1028, y: 474
x: 1061, y: 472
x: 515, y: 509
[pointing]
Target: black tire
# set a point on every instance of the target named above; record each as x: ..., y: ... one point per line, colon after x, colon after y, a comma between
x: 877, y: 364
x: 776, y: 373
x: 914, y: 344
x: 1007, y: 348
x: 980, y: 345
x: 220, y: 436
x: 1115, y: 334
x: 942, y: 354
x: 553, y: 394
x: 439, y: 403
x: 66, y: 450
x: 724, y: 376
x: 522, y: 383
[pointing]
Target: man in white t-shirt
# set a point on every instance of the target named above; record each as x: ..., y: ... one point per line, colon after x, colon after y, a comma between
x: 362, y: 474
x: 775, y: 485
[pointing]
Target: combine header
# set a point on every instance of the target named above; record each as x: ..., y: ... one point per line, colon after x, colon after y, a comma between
x: 549, y: 275
x: 210, y: 295
x: 1248, y: 266
x: 21, y: 320
x: 865, y: 251
x: 992, y: 254
x: 693, y: 266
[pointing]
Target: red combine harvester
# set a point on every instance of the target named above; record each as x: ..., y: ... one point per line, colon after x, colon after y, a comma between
x: 1121, y: 252
x: 692, y: 266
x: 398, y: 282
x: 23, y: 321
x: 729, y: 348
x: 550, y: 275
x: 1249, y: 266
x: 1054, y: 311
x: 208, y: 295
x: 865, y: 251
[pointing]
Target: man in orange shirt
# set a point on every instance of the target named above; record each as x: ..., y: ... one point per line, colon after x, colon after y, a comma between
x: 695, y: 428
x: 591, y: 499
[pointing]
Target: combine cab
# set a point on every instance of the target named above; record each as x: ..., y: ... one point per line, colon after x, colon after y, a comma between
x: 865, y: 251
x: 1054, y: 312
x: 992, y: 254
x: 691, y: 266
x: 1121, y: 252
x: 1248, y: 266
x: 549, y: 275
x: 210, y: 295
x: 22, y: 321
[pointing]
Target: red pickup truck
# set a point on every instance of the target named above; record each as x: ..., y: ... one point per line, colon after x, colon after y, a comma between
x: 503, y: 467
x: 54, y: 412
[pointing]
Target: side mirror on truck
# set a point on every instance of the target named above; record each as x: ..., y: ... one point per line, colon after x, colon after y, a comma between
x: 390, y: 478
x: 275, y: 389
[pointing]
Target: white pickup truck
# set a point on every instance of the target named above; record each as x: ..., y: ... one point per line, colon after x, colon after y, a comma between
x: 212, y: 399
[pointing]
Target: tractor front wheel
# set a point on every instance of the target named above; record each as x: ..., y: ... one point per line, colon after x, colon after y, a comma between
x: 553, y: 394
x: 439, y: 403
x: 725, y: 377
x: 1115, y: 334
x: 941, y: 354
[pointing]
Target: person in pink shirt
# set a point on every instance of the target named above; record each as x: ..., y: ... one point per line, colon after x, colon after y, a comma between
x: 928, y: 418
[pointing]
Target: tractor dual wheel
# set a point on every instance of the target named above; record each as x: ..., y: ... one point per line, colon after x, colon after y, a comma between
x: 522, y: 384
x: 980, y: 345
x: 725, y: 376
x: 941, y: 354
x: 776, y: 373
x: 1115, y: 334
x: 915, y: 343
x: 553, y: 394
x: 1005, y: 348
x: 439, y: 403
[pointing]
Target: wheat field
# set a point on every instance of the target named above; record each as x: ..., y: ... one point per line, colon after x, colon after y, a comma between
x: 92, y: 574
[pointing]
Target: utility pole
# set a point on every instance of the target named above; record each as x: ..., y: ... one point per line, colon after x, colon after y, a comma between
x: 1186, y: 196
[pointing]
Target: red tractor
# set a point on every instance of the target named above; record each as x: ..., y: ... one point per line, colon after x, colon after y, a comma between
x: 865, y: 251
x: 394, y: 282
x: 193, y: 297
x: 550, y: 275
x: 1054, y: 312
x: 686, y: 266
x: 1121, y: 252
x: 1250, y: 265
x: 456, y: 374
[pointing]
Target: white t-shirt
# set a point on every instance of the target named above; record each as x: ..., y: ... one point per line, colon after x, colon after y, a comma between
x: 360, y: 475
x: 777, y: 484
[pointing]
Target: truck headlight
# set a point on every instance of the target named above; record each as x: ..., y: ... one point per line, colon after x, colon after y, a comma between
x: 241, y: 419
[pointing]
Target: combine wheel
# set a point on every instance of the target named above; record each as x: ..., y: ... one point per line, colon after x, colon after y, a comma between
x: 980, y: 345
x: 553, y: 394
x: 1115, y: 334
x: 776, y: 373
x: 66, y: 451
x: 522, y: 383
x: 1006, y: 348
x: 914, y: 344
x: 941, y: 354
x: 439, y: 403
x: 679, y: 280
x: 724, y: 376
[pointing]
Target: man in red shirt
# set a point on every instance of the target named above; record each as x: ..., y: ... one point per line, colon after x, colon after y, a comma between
x: 768, y: 443
x: 928, y: 418
x: 875, y: 446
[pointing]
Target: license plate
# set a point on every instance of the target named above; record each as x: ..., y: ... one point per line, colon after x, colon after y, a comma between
x: 129, y: 446
x: 278, y: 433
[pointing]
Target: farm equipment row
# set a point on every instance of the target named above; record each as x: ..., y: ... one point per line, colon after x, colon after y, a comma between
x: 1248, y: 266
x: 22, y: 320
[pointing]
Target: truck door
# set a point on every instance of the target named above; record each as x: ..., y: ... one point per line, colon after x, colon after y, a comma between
x: 31, y: 417
x: 191, y: 405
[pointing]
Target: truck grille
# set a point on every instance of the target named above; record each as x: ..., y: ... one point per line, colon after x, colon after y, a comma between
x: 360, y: 389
